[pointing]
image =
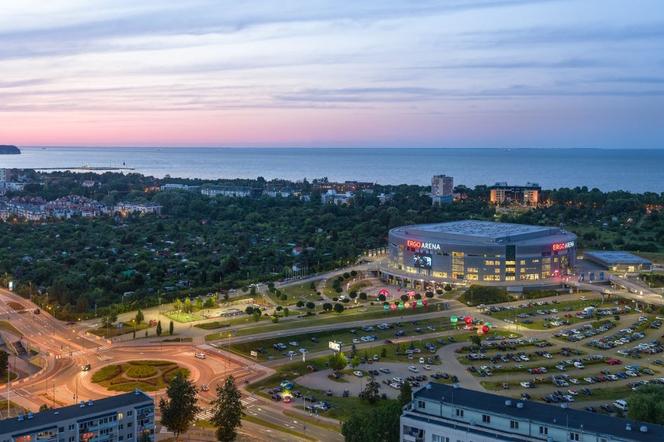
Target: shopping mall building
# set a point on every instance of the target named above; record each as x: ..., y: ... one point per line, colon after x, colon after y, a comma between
x: 478, y: 252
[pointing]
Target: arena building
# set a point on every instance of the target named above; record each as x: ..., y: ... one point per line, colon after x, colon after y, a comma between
x: 477, y: 252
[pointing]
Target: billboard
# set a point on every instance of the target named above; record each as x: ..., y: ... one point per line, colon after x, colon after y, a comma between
x: 422, y: 261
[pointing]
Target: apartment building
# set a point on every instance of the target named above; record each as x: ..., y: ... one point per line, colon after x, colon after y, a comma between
x: 127, y: 417
x: 444, y: 413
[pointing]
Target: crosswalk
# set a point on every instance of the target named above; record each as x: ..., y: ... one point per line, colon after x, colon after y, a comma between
x: 206, y: 413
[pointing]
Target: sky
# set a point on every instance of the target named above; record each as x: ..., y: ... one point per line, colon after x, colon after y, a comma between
x: 319, y: 73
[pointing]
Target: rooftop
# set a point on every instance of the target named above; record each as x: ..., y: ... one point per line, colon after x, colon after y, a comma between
x: 486, y: 231
x: 616, y: 257
x: 52, y: 417
x: 539, y: 412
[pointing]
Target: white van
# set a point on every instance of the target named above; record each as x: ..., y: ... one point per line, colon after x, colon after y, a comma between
x: 620, y: 404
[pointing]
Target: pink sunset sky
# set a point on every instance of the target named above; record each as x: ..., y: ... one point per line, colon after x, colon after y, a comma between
x: 456, y: 73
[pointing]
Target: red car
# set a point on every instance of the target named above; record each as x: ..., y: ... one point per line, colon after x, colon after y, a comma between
x: 612, y: 361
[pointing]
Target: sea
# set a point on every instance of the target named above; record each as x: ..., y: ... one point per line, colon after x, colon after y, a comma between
x: 634, y: 170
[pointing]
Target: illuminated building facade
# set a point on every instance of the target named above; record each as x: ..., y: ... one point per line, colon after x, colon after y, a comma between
x: 479, y: 252
x: 504, y: 194
x: 124, y: 418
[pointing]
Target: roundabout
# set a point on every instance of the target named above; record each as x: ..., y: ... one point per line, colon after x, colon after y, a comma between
x: 146, y: 375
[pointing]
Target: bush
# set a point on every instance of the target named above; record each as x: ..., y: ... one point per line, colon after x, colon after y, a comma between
x: 107, y: 373
x: 140, y: 371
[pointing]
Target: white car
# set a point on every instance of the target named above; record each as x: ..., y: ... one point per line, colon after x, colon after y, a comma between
x: 427, y: 367
x: 358, y: 373
x: 200, y: 355
x: 525, y: 384
x: 413, y: 368
x: 293, y: 343
x: 620, y: 404
x: 303, y: 350
x: 579, y: 365
x: 421, y: 360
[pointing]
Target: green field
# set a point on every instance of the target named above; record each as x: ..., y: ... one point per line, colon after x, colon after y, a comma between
x: 373, y: 312
x: 145, y: 375
x: 212, y: 325
x: 127, y: 327
x: 296, y: 293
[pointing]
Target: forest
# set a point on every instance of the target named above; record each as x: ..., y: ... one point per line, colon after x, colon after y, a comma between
x: 201, y: 245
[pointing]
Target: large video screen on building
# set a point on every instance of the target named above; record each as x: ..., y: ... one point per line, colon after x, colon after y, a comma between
x: 422, y: 261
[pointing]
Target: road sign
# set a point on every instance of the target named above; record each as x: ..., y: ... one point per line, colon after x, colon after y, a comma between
x: 333, y: 345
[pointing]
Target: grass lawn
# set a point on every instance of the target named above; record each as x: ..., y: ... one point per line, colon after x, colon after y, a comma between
x: 146, y: 375
x: 295, y: 293
x: 8, y: 327
x: 370, y: 312
x: 213, y: 325
x: 358, y: 286
x: 183, y: 317
x: 14, y: 409
x: 342, y: 408
x: 344, y: 335
x: 127, y: 327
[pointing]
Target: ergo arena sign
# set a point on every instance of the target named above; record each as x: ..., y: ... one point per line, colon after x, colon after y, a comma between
x: 562, y: 246
x: 414, y: 244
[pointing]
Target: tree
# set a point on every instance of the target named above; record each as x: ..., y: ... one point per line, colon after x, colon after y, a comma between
x: 4, y: 363
x: 380, y: 424
x: 187, y: 307
x: 171, y: 328
x: 158, y: 331
x: 311, y: 305
x: 227, y: 410
x: 44, y: 407
x: 109, y: 318
x: 371, y: 392
x: 249, y: 310
x: 300, y: 303
x: 338, y: 307
x: 405, y: 395
x: 139, y: 317
x: 355, y: 361
x: 337, y: 361
x: 177, y: 304
x: 645, y: 404
x: 257, y: 314
x: 327, y: 306
x: 476, y: 340
x: 180, y: 409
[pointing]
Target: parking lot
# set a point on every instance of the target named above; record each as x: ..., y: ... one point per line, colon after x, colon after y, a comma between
x: 594, y: 363
x: 293, y: 347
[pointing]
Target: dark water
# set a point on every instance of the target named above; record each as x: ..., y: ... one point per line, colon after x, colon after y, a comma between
x: 632, y: 170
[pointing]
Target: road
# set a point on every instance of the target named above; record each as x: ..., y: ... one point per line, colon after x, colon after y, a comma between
x: 65, y: 349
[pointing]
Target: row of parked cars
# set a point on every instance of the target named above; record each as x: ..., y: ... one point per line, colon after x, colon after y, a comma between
x: 621, y: 337
x: 585, y: 331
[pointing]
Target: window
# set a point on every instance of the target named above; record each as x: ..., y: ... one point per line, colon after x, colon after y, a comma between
x: 459, y: 412
x: 486, y: 418
x: 436, y: 438
x: 61, y: 430
x: 421, y: 404
x: 544, y: 430
x: 573, y: 436
x: 514, y: 425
